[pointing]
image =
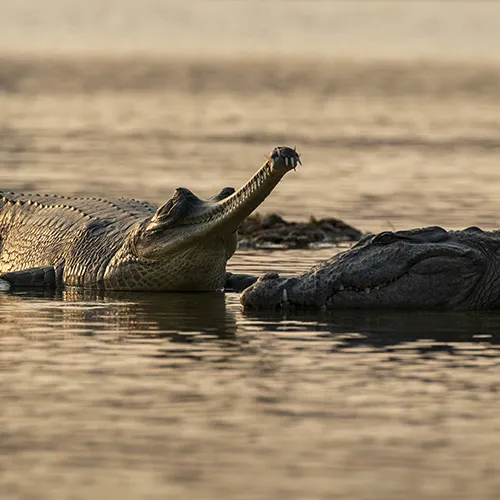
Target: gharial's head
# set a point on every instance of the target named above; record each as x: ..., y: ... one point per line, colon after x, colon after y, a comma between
x: 426, y: 268
x: 185, y: 219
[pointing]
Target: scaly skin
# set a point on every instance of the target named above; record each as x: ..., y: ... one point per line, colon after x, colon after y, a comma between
x: 126, y: 244
x: 426, y: 268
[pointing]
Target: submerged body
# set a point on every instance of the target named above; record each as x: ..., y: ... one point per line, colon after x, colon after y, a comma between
x: 48, y: 240
x: 427, y: 268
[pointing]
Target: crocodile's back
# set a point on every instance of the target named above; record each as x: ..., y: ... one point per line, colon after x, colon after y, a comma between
x: 80, y: 234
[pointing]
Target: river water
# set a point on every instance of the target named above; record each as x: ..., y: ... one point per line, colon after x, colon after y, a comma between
x: 396, y: 111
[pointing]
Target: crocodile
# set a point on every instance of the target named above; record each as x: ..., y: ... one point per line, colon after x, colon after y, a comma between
x: 125, y: 244
x: 426, y: 268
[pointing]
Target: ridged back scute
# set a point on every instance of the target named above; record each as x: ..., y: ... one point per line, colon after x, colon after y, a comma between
x: 44, y: 230
x: 115, y: 209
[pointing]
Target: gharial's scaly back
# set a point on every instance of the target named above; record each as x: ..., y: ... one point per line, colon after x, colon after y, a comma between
x: 37, y: 230
x: 101, y: 208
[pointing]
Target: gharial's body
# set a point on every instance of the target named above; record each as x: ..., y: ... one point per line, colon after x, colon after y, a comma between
x: 124, y: 244
x: 89, y: 243
x: 427, y: 268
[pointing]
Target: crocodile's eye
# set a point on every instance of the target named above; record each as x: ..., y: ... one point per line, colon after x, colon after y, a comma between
x: 384, y: 238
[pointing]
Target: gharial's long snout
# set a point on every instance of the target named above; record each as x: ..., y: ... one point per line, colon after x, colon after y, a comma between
x: 231, y: 211
x: 185, y: 218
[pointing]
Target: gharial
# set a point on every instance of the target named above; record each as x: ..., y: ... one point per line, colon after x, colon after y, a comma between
x: 428, y: 268
x: 53, y: 241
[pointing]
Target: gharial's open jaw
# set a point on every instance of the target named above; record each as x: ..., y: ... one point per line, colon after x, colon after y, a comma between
x: 189, y: 210
x: 293, y: 162
x: 290, y: 161
x: 196, y: 219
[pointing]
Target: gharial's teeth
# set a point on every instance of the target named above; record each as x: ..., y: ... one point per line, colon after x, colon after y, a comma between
x: 367, y: 290
x: 286, y: 161
x: 341, y: 287
x: 285, y: 295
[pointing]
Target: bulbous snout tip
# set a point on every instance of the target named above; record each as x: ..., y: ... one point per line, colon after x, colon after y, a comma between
x: 284, y: 158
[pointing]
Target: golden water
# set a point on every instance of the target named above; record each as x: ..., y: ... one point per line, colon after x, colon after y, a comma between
x: 396, y: 111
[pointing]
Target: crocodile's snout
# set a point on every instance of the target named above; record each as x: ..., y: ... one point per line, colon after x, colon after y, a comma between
x: 268, y: 291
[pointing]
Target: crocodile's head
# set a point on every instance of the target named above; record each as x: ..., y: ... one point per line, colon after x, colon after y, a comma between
x: 418, y: 269
x: 185, y: 245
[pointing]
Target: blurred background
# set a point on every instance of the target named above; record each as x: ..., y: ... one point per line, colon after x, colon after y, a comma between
x: 393, y: 105
x: 395, y: 108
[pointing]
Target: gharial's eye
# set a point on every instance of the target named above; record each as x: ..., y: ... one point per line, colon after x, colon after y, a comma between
x: 384, y: 238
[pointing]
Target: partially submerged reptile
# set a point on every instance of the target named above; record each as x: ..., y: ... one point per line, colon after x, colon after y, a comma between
x: 427, y: 268
x: 52, y: 241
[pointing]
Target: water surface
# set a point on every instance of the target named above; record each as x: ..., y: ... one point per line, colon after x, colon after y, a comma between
x: 395, y: 108
x: 185, y: 395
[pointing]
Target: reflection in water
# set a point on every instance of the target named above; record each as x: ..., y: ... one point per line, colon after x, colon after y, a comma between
x: 380, y: 329
x: 147, y: 314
